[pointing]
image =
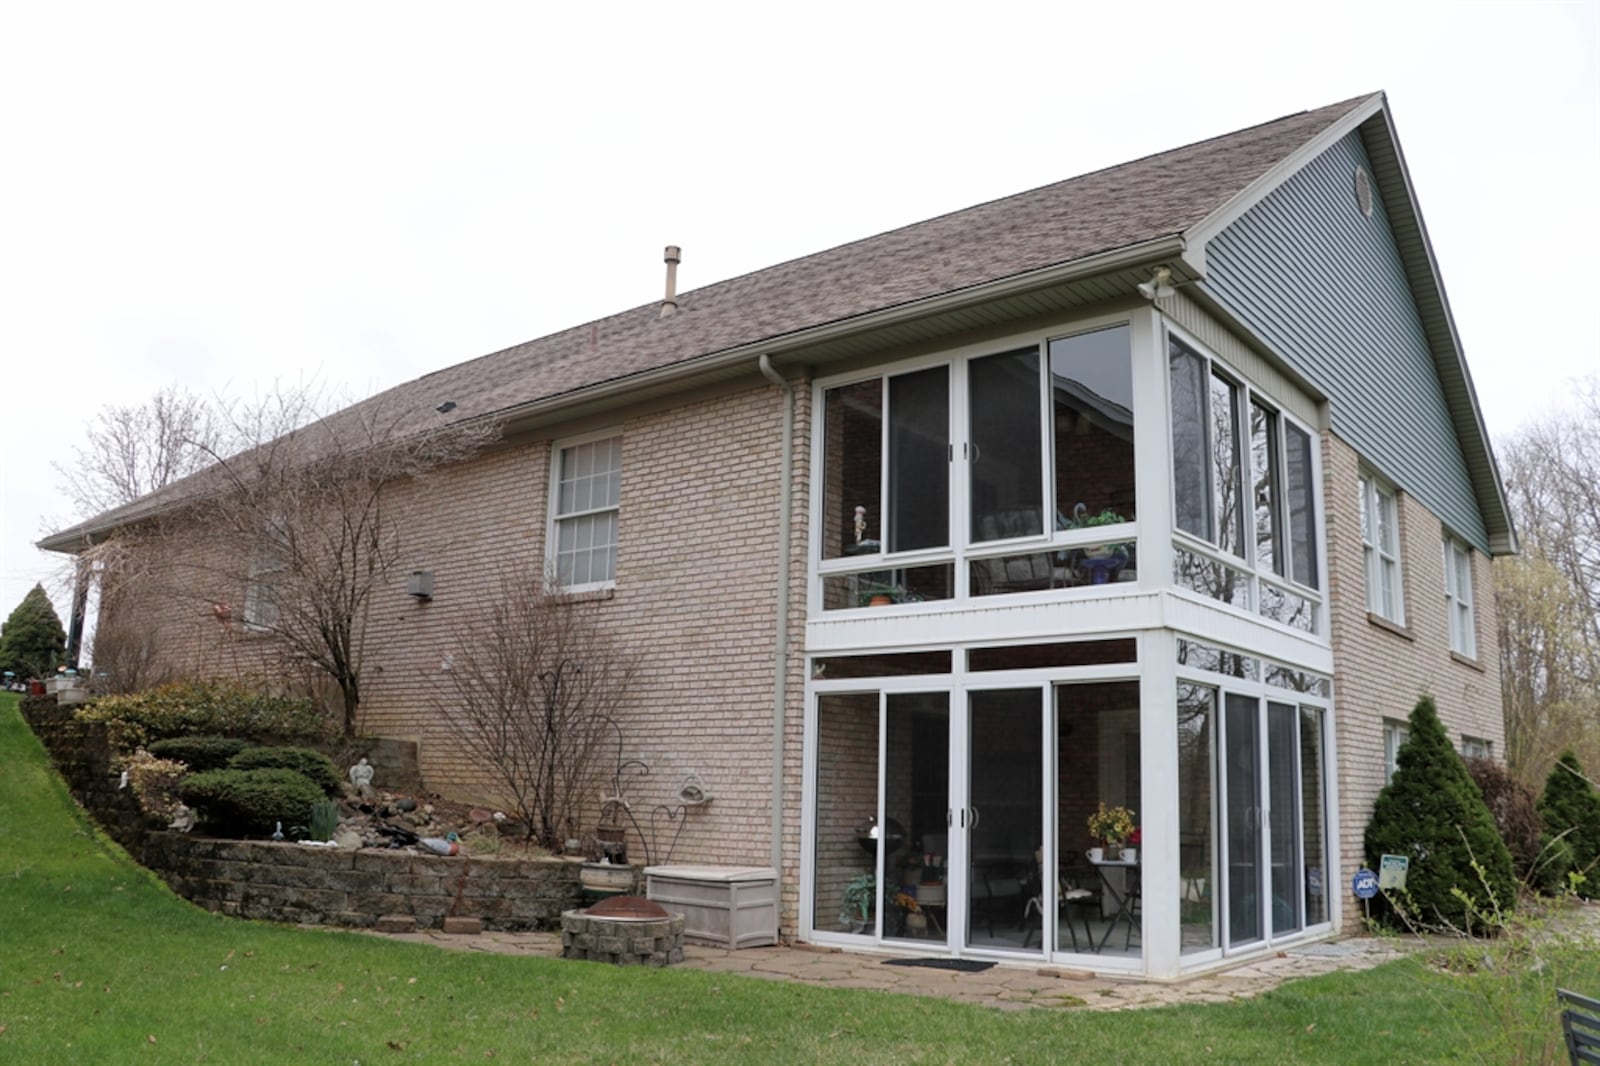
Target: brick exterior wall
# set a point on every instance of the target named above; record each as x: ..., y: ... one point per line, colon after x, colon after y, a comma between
x: 1381, y: 670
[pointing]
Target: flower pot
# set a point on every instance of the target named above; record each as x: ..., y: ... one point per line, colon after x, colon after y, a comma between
x: 880, y: 600
x: 1130, y: 854
x: 916, y: 923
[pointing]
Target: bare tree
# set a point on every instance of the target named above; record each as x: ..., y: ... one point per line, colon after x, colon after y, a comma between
x: 532, y: 693
x: 1548, y: 601
x: 130, y: 452
x: 293, y: 536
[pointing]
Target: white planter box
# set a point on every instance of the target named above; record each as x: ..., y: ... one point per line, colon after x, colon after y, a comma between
x: 729, y: 906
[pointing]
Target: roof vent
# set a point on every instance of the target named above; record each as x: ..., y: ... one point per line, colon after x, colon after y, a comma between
x: 669, y: 305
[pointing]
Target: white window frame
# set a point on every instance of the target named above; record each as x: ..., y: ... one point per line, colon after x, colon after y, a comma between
x: 1476, y: 748
x: 559, y: 450
x: 1395, y: 735
x: 1380, y: 513
x: 1458, y: 597
x: 263, y: 584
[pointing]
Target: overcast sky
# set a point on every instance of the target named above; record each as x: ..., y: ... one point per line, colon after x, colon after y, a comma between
x: 350, y: 195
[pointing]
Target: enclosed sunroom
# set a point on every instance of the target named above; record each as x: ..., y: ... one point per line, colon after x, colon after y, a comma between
x: 1054, y: 574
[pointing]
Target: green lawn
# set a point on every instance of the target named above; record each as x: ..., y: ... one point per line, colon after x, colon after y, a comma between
x: 99, y: 963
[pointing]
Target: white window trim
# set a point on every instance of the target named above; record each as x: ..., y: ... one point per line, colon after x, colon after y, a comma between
x: 553, y: 518
x: 1458, y: 598
x: 1476, y: 748
x: 269, y: 560
x: 1395, y: 734
x: 1377, y: 557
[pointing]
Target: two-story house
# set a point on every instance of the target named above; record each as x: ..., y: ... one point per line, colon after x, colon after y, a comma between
x: 1163, y: 487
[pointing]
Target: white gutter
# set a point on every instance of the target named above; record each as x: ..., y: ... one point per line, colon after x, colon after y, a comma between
x: 780, y: 673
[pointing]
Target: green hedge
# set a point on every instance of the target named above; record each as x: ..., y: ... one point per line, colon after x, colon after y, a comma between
x: 314, y: 765
x: 199, y: 753
x: 187, y: 708
x: 249, y: 802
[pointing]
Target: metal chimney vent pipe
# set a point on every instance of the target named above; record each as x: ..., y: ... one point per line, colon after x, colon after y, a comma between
x: 669, y: 305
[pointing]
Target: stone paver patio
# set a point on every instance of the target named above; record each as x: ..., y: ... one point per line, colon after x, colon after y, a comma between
x: 1005, y: 986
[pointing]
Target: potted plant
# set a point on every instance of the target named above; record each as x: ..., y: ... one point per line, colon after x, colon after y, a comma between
x: 1112, y: 826
x: 912, y: 918
x: 855, y: 911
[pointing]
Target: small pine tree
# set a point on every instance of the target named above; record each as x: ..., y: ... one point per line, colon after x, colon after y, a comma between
x: 32, y: 642
x: 1433, y: 814
x: 1570, y: 807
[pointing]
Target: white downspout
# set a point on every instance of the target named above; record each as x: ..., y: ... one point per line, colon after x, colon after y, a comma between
x: 780, y: 677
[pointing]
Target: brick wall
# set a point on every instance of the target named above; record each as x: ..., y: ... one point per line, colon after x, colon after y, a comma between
x: 1382, y: 670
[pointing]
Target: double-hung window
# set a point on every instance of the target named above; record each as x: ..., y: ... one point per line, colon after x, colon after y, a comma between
x: 1244, y: 492
x: 266, y: 584
x: 1458, y: 597
x: 586, y: 484
x: 1380, y: 540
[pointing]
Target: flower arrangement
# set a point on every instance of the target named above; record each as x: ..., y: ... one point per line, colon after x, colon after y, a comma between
x: 1113, y: 825
x: 906, y: 902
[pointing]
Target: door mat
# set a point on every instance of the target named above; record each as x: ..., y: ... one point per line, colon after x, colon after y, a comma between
x: 959, y: 965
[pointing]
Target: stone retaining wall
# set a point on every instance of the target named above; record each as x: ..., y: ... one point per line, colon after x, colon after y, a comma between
x: 285, y: 882
x: 81, y: 752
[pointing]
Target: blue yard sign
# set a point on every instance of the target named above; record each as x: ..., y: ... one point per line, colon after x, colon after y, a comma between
x: 1364, y: 884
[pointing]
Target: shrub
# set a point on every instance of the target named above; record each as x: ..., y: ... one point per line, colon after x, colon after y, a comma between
x: 185, y: 708
x: 1539, y: 863
x: 1433, y: 814
x: 249, y: 802
x: 1571, y: 809
x: 155, y: 783
x: 199, y: 753
x: 313, y: 765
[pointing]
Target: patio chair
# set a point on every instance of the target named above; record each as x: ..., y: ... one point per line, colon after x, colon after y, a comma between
x: 1580, y: 1026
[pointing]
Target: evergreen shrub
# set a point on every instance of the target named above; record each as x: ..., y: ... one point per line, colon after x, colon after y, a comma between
x: 1538, y: 862
x: 249, y: 802
x: 184, y: 708
x: 198, y: 753
x: 314, y: 765
x: 1434, y: 815
x: 1570, y: 806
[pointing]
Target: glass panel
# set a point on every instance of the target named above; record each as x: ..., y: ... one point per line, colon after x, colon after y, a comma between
x: 919, y: 460
x: 1302, y: 495
x: 1097, y: 763
x: 1242, y: 814
x: 1311, y: 816
x: 1191, y: 484
x: 1006, y: 464
x: 1217, y: 660
x: 1005, y: 815
x: 839, y: 667
x: 1041, y: 656
x: 586, y: 548
x: 1286, y: 607
x: 1227, y: 484
x: 916, y: 801
x: 1091, y: 388
x: 846, y: 789
x: 1283, y: 826
x: 852, y: 469
x: 1197, y: 912
x: 885, y: 588
x: 1264, y: 497
x: 1212, y: 578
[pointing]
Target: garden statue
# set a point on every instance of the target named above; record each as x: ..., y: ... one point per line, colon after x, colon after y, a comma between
x: 361, y: 778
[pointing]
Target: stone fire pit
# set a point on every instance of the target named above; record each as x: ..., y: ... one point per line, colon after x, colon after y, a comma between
x: 624, y: 931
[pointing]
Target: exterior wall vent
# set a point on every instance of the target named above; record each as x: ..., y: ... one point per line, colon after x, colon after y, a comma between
x: 1363, y: 192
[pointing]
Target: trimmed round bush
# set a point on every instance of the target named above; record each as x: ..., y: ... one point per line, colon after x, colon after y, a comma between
x: 199, y: 753
x: 314, y: 765
x: 1460, y: 872
x: 249, y: 802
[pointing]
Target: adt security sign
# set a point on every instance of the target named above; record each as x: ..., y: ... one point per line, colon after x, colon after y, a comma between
x: 1364, y: 884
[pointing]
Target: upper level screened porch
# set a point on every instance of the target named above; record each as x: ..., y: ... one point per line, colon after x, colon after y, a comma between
x: 1109, y: 458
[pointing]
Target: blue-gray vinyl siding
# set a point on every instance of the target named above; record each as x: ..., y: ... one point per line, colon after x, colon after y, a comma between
x: 1324, y: 285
